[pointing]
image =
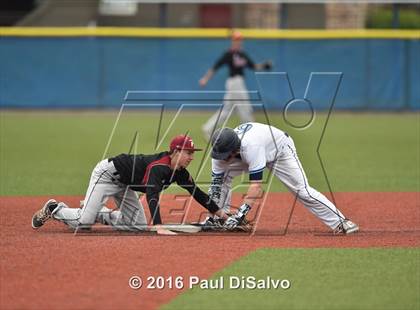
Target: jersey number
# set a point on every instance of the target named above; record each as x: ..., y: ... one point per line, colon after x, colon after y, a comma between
x: 241, y: 129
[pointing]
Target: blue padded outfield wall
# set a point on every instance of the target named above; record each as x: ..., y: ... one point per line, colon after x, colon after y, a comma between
x: 96, y: 72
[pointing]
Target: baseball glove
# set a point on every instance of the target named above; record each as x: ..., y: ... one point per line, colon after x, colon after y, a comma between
x: 212, y: 224
x: 217, y: 225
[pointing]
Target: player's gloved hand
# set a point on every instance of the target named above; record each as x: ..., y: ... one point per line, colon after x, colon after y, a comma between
x: 231, y: 223
x: 268, y: 65
x: 234, y: 220
x: 212, y: 223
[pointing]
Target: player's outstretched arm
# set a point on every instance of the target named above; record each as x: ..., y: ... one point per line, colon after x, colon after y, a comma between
x: 206, y: 77
x: 254, y: 192
x: 204, y: 200
x: 186, y: 182
x: 223, y: 60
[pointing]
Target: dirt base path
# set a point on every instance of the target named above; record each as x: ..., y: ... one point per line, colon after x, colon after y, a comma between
x: 54, y: 269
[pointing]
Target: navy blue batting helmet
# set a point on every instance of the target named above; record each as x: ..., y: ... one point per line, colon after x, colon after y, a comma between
x: 224, y: 141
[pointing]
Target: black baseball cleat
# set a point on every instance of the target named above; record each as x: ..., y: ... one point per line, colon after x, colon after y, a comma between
x: 44, y: 214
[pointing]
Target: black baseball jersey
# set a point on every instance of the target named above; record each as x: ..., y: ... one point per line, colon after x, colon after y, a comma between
x: 151, y: 174
x: 236, y: 61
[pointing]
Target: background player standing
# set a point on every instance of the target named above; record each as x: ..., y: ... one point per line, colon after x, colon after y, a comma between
x: 120, y: 177
x: 236, y: 92
x: 252, y: 147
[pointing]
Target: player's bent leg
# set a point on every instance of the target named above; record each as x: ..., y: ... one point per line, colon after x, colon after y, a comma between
x: 219, y: 118
x: 99, y: 185
x: 102, y: 185
x: 290, y: 172
x: 241, y: 101
x: 95, y: 200
x: 314, y: 201
x: 130, y: 215
x: 320, y: 206
x: 107, y: 216
x: 71, y: 216
x: 226, y: 111
x: 66, y: 215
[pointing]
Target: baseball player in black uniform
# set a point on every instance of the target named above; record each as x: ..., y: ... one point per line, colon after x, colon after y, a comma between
x: 236, y: 92
x: 121, y: 177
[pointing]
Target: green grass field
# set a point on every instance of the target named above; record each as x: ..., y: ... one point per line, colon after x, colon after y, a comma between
x: 46, y: 153
x: 320, y: 279
x: 53, y: 153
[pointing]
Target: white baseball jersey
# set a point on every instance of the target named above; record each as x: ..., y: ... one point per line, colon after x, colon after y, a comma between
x: 266, y: 146
x: 260, y: 145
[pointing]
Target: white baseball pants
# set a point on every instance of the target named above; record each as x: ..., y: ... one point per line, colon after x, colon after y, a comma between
x: 235, y: 98
x: 288, y: 169
x: 103, y: 185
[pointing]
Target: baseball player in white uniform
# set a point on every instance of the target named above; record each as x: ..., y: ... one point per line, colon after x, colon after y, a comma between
x: 236, y: 95
x: 253, y: 147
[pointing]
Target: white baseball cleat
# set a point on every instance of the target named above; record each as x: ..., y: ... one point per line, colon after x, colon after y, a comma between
x: 346, y: 227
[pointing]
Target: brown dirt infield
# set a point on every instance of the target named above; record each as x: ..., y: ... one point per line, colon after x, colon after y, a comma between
x: 54, y: 269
